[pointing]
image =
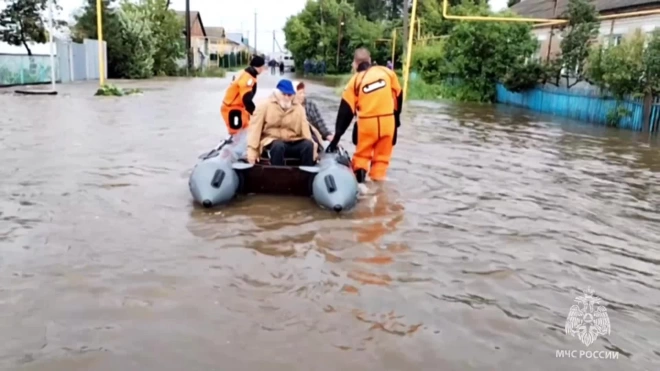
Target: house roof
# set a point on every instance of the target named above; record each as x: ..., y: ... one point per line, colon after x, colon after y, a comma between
x: 546, y: 8
x: 193, y: 15
x: 235, y: 37
x: 215, y: 32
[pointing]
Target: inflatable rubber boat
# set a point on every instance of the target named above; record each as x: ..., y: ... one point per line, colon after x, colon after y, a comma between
x: 222, y: 174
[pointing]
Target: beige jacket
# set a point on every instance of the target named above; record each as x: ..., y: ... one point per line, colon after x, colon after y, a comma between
x: 270, y: 122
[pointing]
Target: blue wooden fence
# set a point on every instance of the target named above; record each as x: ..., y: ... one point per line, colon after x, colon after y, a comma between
x: 581, y: 104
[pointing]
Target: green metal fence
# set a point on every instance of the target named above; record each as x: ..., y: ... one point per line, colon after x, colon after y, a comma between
x: 230, y: 60
x: 18, y: 69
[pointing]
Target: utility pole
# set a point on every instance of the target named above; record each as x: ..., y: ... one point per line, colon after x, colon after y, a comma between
x: 255, y: 32
x: 52, y: 47
x: 273, y: 42
x: 406, y: 7
x: 339, y: 26
x: 99, y: 39
x: 188, y: 40
x: 325, y: 46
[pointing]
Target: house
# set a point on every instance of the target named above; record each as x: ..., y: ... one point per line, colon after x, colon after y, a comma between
x: 224, y: 43
x: 611, y: 31
x: 199, y: 41
x: 216, y: 36
x: 239, y: 42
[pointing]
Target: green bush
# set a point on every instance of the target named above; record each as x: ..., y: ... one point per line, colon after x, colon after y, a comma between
x: 143, y: 38
x: 202, y: 72
x: 109, y: 90
x: 429, y: 61
x: 523, y: 77
x: 138, y: 40
x: 420, y: 90
x: 467, y: 65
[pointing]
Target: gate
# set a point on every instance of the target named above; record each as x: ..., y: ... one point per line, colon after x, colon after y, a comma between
x: 79, y: 61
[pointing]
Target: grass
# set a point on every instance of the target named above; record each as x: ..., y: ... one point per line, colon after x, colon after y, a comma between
x: 209, y: 72
x: 418, y: 89
x: 212, y: 71
x: 236, y: 68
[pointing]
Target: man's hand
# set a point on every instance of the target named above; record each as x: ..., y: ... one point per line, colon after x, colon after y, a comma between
x: 332, y: 147
x: 330, y: 137
x: 252, y: 158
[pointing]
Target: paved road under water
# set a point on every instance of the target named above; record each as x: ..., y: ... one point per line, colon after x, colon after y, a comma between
x: 469, y: 259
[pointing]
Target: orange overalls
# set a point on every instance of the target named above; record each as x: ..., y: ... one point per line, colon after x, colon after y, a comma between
x: 374, y: 93
x: 238, y: 105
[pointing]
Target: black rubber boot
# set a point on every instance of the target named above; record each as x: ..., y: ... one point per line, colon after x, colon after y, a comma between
x: 361, y: 175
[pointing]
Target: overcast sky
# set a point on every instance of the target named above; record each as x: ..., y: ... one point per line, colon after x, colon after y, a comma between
x: 238, y: 15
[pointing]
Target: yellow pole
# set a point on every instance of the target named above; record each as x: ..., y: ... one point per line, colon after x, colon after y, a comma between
x: 99, y: 37
x: 393, y: 45
x: 406, y: 67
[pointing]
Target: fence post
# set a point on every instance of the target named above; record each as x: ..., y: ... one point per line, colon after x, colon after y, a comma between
x: 646, y: 112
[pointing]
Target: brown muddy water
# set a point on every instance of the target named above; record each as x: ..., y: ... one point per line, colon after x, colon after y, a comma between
x: 469, y: 259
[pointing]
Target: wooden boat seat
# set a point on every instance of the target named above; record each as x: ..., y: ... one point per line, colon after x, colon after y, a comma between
x: 287, y: 161
x: 263, y: 178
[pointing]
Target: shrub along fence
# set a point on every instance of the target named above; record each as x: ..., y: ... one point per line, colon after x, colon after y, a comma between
x: 582, y: 104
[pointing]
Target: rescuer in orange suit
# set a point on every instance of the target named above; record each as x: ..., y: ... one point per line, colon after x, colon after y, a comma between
x: 238, y: 105
x: 375, y: 95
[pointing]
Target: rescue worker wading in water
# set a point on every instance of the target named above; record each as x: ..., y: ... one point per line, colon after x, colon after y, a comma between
x: 374, y: 93
x: 238, y: 105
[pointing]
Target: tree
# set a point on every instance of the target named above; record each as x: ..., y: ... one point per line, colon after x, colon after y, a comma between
x: 327, y: 29
x: 166, y: 27
x: 21, y: 22
x: 475, y: 55
x: 85, y: 28
x: 85, y: 20
x: 631, y: 68
x: 512, y: 3
x: 137, y: 60
x: 578, y: 35
x: 147, y: 28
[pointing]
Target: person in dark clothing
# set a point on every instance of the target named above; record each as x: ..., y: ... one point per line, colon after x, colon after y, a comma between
x: 272, y: 64
x: 302, y: 149
x: 281, y: 67
x: 312, y: 112
x: 307, y: 66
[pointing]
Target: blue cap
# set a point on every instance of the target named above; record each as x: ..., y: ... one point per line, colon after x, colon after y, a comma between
x: 286, y: 87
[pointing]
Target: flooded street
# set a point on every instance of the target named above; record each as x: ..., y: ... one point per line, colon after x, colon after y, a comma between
x: 469, y: 259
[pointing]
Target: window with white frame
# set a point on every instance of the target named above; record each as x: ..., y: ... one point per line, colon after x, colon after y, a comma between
x: 612, y: 40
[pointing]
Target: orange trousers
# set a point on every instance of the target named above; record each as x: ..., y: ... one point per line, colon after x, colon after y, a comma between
x: 374, y: 140
x: 236, y: 118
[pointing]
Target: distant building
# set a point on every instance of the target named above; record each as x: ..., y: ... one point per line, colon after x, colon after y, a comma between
x: 611, y: 32
x: 240, y: 42
x: 217, y: 40
x: 199, y: 41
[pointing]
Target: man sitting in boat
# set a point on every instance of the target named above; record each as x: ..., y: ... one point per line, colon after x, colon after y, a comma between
x: 312, y: 111
x: 280, y: 128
